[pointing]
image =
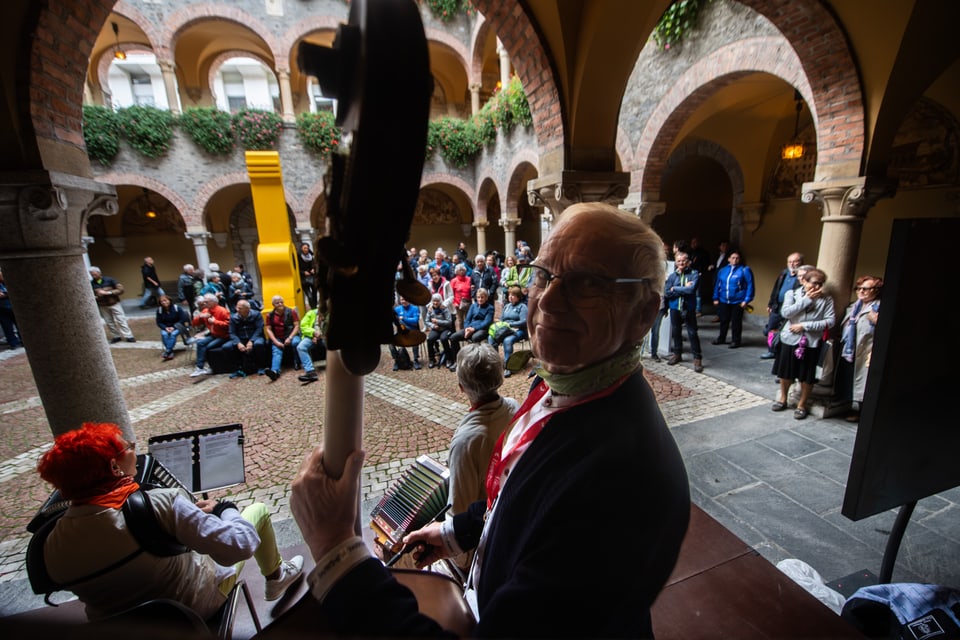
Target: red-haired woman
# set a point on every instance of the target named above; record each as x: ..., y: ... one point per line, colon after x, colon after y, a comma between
x: 91, y: 550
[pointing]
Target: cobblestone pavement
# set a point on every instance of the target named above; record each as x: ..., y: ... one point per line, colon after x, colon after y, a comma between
x: 406, y: 414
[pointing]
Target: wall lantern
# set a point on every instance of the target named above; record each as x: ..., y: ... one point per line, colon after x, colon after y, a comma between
x: 117, y: 52
x: 793, y: 150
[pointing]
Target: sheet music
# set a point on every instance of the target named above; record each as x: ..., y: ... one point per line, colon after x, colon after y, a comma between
x: 221, y: 459
x: 177, y: 457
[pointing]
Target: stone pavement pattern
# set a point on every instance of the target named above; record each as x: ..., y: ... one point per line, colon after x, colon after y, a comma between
x: 775, y: 482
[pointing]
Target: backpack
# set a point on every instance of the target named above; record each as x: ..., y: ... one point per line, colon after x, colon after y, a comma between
x: 141, y: 521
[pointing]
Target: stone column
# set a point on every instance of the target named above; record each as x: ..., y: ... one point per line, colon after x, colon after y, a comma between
x: 167, y: 68
x: 481, y: 227
x: 509, y: 233
x: 286, y: 97
x: 307, y: 235
x: 558, y: 191
x: 199, y: 239
x: 843, y: 204
x: 474, y: 98
x: 42, y: 218
x: 504, y: 64
x: 647, y: 211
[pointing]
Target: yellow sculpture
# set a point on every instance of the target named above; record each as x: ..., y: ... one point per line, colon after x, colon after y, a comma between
x: 276, y: 254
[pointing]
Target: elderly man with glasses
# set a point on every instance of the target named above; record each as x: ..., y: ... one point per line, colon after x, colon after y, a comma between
x: 588, y: 441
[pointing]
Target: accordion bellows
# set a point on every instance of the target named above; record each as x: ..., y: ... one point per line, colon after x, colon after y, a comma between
x: 417, y: 498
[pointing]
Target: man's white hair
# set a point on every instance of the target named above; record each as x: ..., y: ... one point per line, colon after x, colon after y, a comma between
x: 209, y: 297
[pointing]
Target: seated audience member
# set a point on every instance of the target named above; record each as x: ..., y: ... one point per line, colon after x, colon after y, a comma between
x: 216, y: 320
x: 92, y: 550
x: 239, y: 290
x: 408, y: 317
x: 309, y: 335
x: 440, y: 286
x: 475, y: 325
x: 480, y: 375
x: 246, y: 332
x: 439, y: 324
x: 282, y: 327
x: 588, y: 440
x: 173, y: 321
x: 514, y: 314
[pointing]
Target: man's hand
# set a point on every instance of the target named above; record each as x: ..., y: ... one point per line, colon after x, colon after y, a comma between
x: 206, y: 505
x: 432, y: 544
x: 325, y: 508
x: 468, y: 332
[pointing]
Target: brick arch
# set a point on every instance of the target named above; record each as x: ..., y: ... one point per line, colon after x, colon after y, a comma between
x: 827, y: 63
x: 316, y: 191
x: 139, y: 180
x: 708, y: 75
x: 217, y: 62
x: 187, y: 16
x: 307, y: 25
x: 103, y: 68
x: 488, y: 187
x: 518, y: 161
x: 448, y: 179
x: 624, y: 150
x: 149, y: 28
x: 481, y: 30
x: 452, y: 43
x: 63, y: 42
x: 717, y: 153
x: 208, y: 190
x: 533, y: 67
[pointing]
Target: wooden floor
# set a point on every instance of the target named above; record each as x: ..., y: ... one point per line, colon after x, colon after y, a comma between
x: 720, y: 588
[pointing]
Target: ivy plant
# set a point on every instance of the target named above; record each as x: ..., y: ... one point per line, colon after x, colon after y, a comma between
x: 210, y: 128
x: 676, y: 21
x: 148, y: 130
x: 101, y: 133
x: 257, y: 130
x: 447, y: 10
x: 318, y: 132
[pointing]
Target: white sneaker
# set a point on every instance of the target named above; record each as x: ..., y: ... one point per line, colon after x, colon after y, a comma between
x: 290, y: 570
x: 199, y: 372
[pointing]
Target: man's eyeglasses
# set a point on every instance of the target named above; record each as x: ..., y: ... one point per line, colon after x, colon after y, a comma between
x: 581, y: 284
x: 865, y: 288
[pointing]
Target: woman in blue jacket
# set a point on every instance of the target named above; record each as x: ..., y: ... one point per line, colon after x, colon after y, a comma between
x: 731, y: 294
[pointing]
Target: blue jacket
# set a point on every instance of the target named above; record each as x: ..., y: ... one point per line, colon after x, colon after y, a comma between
x: 246, y: 329
x: 682, y: 286
x: 480, y: 317
x: 409, y: 316
x: 515, y: 315
x: 734, y: 285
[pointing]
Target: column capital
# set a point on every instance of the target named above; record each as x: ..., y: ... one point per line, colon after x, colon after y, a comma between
x: 307, y: 235
x: 168, y: 66
x: 647, y: 211
x: 560, y: 190
x: 509, y: 224
x: 45, y: 213
x: 481, y: 224
x: 846, y: 199
x: 198, y: 237
x: 474, y: 86
x: 282, y: 74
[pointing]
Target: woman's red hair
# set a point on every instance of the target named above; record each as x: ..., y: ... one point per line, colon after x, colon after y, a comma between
x: 80, y: 459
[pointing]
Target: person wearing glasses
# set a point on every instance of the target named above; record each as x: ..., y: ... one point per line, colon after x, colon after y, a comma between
x: 588, y: 439
x: 92, y: 551
x: 808, y: 312
x: 856, y: 342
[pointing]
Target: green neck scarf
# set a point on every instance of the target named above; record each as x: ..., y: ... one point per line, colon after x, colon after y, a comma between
x: 595, y: 377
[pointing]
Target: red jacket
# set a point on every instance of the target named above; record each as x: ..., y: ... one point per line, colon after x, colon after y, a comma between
x: 218, y: 322
x: 461, y: 289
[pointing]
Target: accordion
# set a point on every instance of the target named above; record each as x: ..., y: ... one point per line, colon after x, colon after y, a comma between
x: 417, y: 498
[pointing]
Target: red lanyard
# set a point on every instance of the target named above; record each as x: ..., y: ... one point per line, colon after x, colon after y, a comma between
x: 499, y: 461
